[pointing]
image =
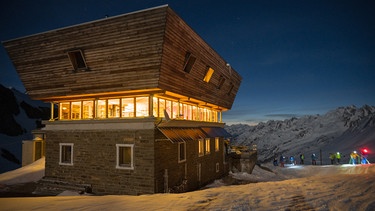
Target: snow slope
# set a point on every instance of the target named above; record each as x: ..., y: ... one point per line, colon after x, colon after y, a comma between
x: 333, y: 187
x: 342, y: 130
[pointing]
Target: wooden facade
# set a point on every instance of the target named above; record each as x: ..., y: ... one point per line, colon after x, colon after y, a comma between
x: 143, y: 51
x: 150, y: 54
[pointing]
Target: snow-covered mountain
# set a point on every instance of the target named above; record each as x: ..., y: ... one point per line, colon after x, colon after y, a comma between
x: 19, y: 115
x: 341, y: 130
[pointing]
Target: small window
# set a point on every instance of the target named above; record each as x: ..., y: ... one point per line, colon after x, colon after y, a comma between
x: 77, y: 60
x: 217, y: 144
x: 66, y: 154
x: 230, y: 89
x: 208, y: 75
x: 181, y: 152
x: 208, y: 146
x: 189, y: 62
x: 217, y: 167
x: 200, y: 147
x: 124, y: 156
x: 221, y: 82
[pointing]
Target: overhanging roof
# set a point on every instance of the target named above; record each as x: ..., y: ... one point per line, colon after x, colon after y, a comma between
x: 183, y: 134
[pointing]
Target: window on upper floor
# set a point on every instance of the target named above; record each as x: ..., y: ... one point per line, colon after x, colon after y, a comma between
x: 189, y: 62
x: 77, y: 59
x: 221, y: 82
x: 230, y: 88
x: 208, y: 74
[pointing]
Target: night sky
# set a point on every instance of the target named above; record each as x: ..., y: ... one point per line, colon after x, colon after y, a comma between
x: 296, y: 57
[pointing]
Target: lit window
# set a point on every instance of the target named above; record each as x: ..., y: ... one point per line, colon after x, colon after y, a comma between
x: 181, y: 152
x: 88, y: 109
x: 189, y: 62
x: 101, y: 111
x: 64, y: 110
x: 113, y: 108
x: 124, y: 156
x: 217, y: 144
x: 207, y: 146
x: 127, y: 107
x: 200, y: 147
x: 142, y: 106
x: 76, y: 110
x: 66, y: 154
x: 161, y: 107
x: 77, y: 60
x: 208, y: 75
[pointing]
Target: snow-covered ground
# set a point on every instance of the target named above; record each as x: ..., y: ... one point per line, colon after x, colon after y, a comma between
x: 333, y: 187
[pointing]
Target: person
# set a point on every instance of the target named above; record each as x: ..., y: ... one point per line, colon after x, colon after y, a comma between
x: 302, y: 158
x: 313, y: 159
x: 332, y: 157
x: 353, y: 158
x: 292, y: 160
x: 338, y: 157
x: 275, y: 162
x: 282, y: 159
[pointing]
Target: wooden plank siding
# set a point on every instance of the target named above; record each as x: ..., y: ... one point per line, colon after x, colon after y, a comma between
x: 180, y: 39
x: 122, y: 53
x: 136, y: 51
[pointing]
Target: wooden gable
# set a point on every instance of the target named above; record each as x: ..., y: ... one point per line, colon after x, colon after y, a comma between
x: 151, y: 50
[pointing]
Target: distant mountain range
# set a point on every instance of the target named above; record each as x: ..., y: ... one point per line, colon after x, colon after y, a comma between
x: 19, y: 115
x: 343, y: 130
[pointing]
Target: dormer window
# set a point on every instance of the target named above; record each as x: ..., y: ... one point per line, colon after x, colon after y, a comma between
x: 77, y: 60
x: 208, y: 75
x: 189, y: 62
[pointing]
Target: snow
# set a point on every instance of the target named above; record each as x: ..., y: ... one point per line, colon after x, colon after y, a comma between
x: 326, y: 187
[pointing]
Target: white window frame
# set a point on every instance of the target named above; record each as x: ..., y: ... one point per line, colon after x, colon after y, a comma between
x: 61, y: 162
x: 118, y: 166
x: 179, y: 152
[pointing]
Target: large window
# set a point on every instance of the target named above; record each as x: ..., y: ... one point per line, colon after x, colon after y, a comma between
x: 88, y: 109
x: 101, y: 111
x: 76, y: 110
x: 113, y: 108
x: 142, y: 106
x: 66, y: 154
x: 129, y: 107
x: 65, y: 110
x: 200, y: 147
x: 125, y: 154
x: 181, y: 152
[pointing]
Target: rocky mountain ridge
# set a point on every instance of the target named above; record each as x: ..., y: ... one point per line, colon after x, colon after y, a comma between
x: 320, y: 133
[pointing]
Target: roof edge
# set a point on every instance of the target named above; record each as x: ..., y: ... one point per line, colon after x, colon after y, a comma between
x: 84, y: 23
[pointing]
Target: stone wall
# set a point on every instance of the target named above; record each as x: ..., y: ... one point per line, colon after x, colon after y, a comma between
x: 94, y: 160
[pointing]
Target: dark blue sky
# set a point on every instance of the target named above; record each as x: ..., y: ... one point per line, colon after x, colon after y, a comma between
x: 295, y: 57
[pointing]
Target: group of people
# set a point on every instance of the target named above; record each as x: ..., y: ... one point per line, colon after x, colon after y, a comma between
x: 284, y: 160
x: 356, y: 158
x: 334, y: 156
